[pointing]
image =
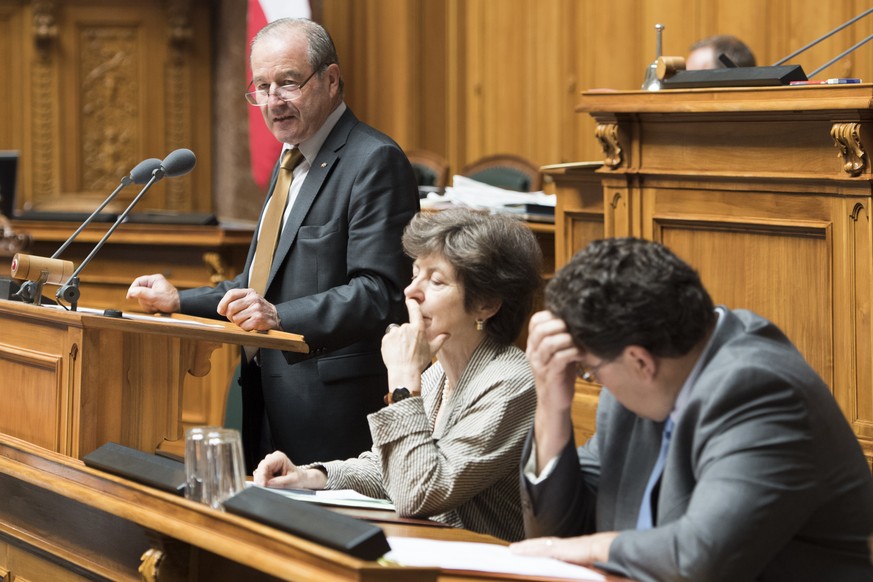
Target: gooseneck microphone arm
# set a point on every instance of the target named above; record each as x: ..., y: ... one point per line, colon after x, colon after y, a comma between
x: 841, y: 55
x: 177, y: 163
x: 138, y: 175
x: 826, y: 36
x: 31, y: 290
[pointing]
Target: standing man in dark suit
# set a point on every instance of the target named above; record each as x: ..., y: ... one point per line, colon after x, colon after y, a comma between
x: 337, y: 270
x: 719, y: 453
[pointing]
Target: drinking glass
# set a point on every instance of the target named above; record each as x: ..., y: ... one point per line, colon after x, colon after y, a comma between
x: 213, y: 465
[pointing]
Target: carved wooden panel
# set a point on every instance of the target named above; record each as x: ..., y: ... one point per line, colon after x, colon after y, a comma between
x: 100, y: 87
x: 780, y: 268
x: 33, y: 380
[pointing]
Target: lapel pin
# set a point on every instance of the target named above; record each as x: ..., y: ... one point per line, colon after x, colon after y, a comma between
x: 323, y: 164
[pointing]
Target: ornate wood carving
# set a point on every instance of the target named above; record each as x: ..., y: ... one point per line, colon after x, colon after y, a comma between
x: 607, y: 135
x: 45, y: 35
x: 150, y: 563
x: 45, y: 27
x: 847, y: 138
x: 179, y: 92
x: 109, y: 61
x: 217, y: 267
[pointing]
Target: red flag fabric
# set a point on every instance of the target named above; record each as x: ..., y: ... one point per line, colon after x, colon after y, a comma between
x: 263, y: 146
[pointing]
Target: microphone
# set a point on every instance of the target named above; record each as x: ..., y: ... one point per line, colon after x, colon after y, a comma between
x: 140, y: 174
x: 40, y: 270
x: 177, y: 163
x: 826, y: 36
x: 29, y: 267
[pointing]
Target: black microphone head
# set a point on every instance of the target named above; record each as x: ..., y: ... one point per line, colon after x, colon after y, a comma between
x: 178, y: 162
x: 143, y: 171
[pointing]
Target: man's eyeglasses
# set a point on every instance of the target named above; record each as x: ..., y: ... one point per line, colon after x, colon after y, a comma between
x: 289, y: 92
x: 590, y: 374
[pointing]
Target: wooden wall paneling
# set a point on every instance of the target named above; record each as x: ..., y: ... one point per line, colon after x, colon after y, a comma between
x: 501, y: 79
x: 391, y: 74
x: 863, y: 57
x: 803, y: 22
x: 748, y: 20
x: 11, y: 29
x: 431, y: 35
x: 471, y: 84
x: 457, y: 49
x: 552, y: 89
x: 377, y: 46
x: 610, y: 49
x: 856, y: 382
x: 342, y: 20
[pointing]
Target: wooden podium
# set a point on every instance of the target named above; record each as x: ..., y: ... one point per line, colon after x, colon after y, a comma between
x: 766, y: 191
x: 71, y: 381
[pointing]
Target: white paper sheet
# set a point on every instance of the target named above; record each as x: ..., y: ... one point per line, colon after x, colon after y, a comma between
x: 143, y: 317
x: 479, y: 557
x: 338, y: 497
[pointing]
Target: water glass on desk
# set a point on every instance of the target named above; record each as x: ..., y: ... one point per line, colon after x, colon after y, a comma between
x: 214, y: 466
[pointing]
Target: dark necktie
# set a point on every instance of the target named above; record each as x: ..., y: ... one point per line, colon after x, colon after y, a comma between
x: 646, y: 519
x: 271, y: 225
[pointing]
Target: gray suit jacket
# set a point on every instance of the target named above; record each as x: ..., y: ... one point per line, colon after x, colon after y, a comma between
x: 337, y: 278
x: 764, y: 478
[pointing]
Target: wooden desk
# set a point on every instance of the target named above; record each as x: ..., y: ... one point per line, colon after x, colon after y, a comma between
x: 189, y: 256
x: 766, y: 191
x: 60, y: 520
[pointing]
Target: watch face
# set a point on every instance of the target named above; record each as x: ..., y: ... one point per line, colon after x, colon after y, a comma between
x: 399, y: 394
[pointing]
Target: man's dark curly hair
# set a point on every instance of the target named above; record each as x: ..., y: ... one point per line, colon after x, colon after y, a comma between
x: 628, y: 291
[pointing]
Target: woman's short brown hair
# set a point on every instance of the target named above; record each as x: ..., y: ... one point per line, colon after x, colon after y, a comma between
x: 494, y: 256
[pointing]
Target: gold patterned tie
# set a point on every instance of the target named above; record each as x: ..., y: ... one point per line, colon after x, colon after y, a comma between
x: 271, y: 225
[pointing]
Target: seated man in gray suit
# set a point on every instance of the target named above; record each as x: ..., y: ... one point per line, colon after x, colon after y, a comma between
x: 761, y: 476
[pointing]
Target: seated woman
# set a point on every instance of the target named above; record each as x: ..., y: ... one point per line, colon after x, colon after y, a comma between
x: 448, y: 446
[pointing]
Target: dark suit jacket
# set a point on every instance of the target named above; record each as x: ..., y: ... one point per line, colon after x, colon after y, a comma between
x: 764, y: 478
x: 337, y: 278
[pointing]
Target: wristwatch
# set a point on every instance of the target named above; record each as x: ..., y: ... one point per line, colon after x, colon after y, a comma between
x: 397, y: 395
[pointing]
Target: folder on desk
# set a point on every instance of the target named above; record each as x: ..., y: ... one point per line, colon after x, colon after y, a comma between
x: 159, y: 472
x: 323, y: 526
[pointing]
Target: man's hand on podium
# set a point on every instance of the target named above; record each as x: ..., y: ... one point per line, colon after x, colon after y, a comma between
x: 155, y: 294
x: 248, y: 310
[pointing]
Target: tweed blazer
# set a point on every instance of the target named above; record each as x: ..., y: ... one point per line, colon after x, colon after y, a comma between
x: 461, y: 471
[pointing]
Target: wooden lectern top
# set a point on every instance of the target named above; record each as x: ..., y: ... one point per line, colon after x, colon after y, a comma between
x: 182, y: 326
x: 730, y: 99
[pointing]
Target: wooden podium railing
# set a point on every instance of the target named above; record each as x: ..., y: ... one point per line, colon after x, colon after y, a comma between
x: 71, y: 381
x: 766, y: 191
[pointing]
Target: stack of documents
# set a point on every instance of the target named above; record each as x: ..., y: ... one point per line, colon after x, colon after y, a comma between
x: 473, y: 194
